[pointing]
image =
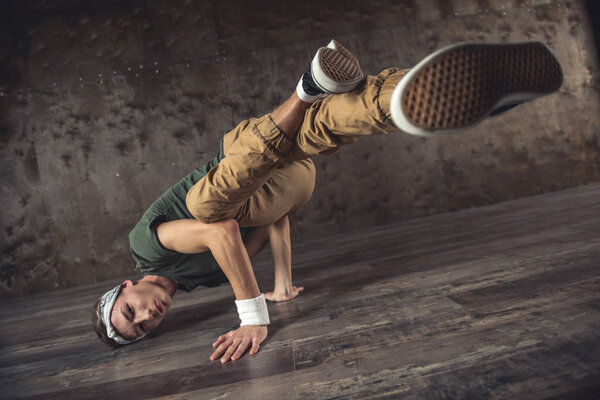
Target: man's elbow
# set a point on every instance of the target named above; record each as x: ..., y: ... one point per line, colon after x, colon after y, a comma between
x: 223, y: 232
x: 228, y: 227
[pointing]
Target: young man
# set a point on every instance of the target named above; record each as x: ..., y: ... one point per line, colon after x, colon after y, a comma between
x: 205, y: 229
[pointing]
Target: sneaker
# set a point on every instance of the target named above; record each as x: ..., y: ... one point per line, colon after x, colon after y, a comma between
x: 459, y: 86
x: 333, y: 70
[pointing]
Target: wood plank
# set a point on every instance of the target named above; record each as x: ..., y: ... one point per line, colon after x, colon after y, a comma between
x: 495, y: 302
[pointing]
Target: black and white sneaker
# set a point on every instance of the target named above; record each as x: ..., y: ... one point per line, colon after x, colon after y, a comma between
x: 332, y: 70
x: 461, y: 85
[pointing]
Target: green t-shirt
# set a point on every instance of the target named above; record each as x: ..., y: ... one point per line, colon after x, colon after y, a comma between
x: 189, y: 270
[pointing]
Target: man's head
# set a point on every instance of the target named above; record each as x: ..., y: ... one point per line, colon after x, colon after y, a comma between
x: 129, y: 311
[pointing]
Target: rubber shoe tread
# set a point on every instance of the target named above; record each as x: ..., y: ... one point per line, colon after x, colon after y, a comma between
x: 459, y: 86
x: 335, y: 69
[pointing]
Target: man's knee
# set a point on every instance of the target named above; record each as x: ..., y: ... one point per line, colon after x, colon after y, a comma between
x: 311, y: 175
x: 207, y: 211
x: 304, y: 183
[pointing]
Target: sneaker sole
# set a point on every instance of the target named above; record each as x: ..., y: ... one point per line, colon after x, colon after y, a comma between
x: 336, y: 70
x: 457, y: 87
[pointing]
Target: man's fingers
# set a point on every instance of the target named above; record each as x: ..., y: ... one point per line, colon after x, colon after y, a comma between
x: 215, y: 355
x: 223, y: 338
x: 232, y: 347
x: 241, y: 349
x: 219, y: 341
x: 255, y: 346
x: 221, y: 349
x: 236, y: 343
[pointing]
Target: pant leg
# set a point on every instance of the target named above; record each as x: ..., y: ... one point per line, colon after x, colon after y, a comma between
x: 260, y: 147
x: 287, y: 189
x: 342, y: 119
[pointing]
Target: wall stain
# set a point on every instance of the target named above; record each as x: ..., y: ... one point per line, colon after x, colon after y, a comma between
x: 222, y: 64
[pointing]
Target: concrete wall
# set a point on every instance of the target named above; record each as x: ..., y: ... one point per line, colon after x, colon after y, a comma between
x: 105, y: 104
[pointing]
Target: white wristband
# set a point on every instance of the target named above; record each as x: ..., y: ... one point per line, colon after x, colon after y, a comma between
x: 253, y: 311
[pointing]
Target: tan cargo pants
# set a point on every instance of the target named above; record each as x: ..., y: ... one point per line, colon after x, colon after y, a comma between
x: 265, y: 176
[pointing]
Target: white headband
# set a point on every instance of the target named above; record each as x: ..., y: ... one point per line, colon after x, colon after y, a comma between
x: 106, y: 304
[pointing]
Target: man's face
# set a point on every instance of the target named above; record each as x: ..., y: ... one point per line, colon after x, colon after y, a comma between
x: 139, y: 308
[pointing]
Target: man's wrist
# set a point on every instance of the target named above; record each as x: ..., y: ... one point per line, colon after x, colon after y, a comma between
x: 253, y: 311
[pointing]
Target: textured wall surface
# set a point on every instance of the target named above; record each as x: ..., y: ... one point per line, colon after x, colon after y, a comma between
x: 105, y: 104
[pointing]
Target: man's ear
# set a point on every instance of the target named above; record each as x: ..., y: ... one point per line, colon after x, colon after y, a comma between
x: 127, y: 283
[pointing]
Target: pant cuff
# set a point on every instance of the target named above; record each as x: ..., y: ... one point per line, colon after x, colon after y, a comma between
x: 273, y: 137
x: 390, y: 77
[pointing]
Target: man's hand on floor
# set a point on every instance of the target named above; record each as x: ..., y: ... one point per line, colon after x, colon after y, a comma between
x: 234, y: 344
x: 284, y: 295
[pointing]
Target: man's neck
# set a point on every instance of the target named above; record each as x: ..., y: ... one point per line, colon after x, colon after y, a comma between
x: 168, y: 284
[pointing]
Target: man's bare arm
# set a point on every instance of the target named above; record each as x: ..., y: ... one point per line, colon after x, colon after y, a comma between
x: 281, y: 248
x: 223, y: 239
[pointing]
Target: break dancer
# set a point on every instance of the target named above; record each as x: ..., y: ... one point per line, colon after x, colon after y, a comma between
x: 205, y: 228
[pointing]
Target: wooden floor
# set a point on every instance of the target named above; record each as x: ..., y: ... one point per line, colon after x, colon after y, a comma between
x: 501, y: 302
